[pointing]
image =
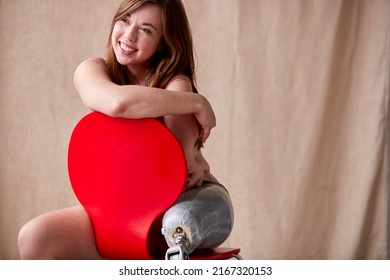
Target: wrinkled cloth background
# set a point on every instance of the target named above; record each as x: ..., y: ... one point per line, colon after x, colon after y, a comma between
x: 301, y: 93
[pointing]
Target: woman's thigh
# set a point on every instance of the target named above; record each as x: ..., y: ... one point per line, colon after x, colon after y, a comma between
x: 61, y: 234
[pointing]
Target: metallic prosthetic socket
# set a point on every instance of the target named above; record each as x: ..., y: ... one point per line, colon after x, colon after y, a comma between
x: 201, y: 218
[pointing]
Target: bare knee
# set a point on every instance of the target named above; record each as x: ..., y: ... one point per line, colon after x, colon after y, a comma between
x: 61, y: 234
x: 32, y: 241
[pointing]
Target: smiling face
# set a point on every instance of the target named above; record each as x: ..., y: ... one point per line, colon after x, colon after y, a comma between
x: 136, y: 37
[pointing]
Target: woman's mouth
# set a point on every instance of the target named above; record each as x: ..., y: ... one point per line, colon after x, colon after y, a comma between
x: 126, y: 49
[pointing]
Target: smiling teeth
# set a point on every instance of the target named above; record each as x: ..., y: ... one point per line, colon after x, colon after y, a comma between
x: 127, y: 48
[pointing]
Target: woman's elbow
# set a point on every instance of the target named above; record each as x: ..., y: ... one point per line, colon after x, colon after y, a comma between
x: 120, y: 107
x: 112, y: 107
x: 115, y: 108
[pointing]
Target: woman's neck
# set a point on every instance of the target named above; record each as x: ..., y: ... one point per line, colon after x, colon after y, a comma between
x: 137, y: 75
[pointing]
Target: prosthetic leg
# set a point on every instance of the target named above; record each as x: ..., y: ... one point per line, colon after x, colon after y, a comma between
x: 202, y: 218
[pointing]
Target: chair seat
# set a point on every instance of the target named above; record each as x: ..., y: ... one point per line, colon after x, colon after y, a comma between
x: 220, y: 253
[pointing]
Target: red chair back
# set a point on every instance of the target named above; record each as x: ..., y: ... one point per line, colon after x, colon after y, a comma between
x: 126, y: 173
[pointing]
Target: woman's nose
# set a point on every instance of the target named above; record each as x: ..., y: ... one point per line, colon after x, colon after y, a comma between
x: 131, y: 33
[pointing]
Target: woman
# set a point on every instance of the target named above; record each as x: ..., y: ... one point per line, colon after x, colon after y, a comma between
x: 148, y: 72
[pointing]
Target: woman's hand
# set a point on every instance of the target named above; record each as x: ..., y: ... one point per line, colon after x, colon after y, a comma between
x: 206, y: 118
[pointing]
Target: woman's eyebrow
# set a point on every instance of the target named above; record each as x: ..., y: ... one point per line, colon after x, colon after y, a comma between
x: 149, y: 24
x: 145, y: 23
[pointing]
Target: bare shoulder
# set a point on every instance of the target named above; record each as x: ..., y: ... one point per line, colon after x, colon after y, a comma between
x: 180, y: 83
x: 180, y: 77
x: 93, y: 68
x: 95, y: 62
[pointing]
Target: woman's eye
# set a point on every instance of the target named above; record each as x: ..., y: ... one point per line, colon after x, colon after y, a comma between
x: 144, y: 30
x: 124, y: 20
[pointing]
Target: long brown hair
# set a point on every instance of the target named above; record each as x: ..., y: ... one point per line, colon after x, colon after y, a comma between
x: 177, y: 54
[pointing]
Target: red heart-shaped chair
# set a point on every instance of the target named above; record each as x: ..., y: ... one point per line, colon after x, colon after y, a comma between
x: 127, y: 173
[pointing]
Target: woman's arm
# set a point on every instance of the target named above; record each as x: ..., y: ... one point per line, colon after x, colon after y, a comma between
x: 99, y: 93
x: 186, y: 129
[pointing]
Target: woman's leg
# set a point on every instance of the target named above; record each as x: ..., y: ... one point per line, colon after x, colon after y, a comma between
x: 61, y: 234
x: 204, y: 214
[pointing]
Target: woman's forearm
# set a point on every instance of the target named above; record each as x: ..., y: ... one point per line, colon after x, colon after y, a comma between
x: 99, y: 93
x: 145, y: 102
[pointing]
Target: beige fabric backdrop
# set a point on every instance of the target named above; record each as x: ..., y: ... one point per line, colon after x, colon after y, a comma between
x: 301, y: 93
